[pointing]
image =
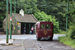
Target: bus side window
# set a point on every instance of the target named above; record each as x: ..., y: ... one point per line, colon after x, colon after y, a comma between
x: 42, y: 26
x: 48, y: 26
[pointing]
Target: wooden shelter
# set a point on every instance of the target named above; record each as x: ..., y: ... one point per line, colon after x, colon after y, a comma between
x: 25, y: 20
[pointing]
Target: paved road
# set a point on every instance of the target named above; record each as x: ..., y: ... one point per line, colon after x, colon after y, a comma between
x: 20, y: 43
x: 24, y: 36
x: 54, y: 45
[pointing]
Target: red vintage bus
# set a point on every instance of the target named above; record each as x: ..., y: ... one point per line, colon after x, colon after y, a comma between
x: 44, y: 30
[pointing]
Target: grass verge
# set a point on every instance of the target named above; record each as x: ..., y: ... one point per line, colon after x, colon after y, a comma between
x: 67, y: 41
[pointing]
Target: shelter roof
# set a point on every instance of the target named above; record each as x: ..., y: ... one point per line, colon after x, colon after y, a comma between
x: 28, y: 18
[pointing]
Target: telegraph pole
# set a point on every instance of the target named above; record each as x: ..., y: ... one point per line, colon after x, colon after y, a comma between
x: 67, y: 16
x: 10, y: 19
x: 14, y: 17
x: 7, y: 21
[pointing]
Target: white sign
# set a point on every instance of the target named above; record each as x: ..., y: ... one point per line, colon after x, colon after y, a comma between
x: 10, y: 18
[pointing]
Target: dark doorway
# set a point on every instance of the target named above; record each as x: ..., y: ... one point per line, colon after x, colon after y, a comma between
x: 27, y: 26
x: 22, y: 28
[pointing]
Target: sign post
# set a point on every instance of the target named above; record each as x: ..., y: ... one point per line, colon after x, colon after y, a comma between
x: 14, y: 17
x: 7, y: 21
x: 67, y: 16
x: 10, y: 19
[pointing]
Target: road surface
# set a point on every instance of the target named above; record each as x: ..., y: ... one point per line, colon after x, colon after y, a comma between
x: 23, y: 41
x: 25, y: 36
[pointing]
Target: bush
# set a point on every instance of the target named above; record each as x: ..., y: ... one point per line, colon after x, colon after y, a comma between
x: 62, y: 32
x: 71, y: 32
x: 41, y: 16
x: 68, y: 41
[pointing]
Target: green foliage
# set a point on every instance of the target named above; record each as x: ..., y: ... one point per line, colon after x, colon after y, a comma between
x: 67, y: 41
x: 2, y: 7
x: 58, y: 9
x: 29, y: 6
x: 70, y: 38
x: 71, y: 31
x: 2, y: 11
x: 41, y: 16
x: 54, y: 8
x: 1, y: 18
x: 62, y: 32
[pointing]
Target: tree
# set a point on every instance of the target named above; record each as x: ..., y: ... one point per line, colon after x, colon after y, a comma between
x: 29, y: 6
x: 2, y: 11
x: 2, y: 7
x: 54, y: 8
x: 41, y: 16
